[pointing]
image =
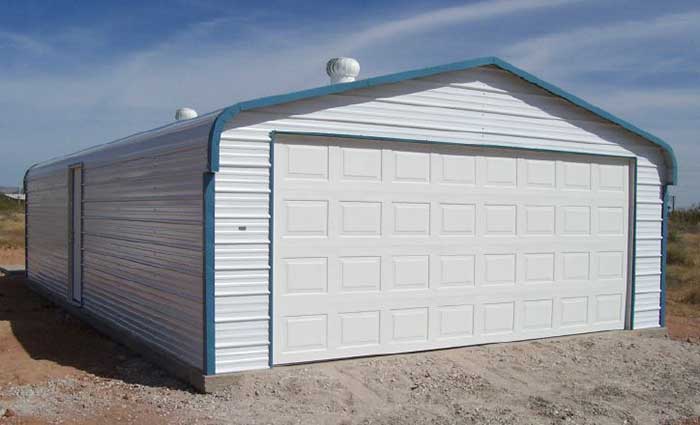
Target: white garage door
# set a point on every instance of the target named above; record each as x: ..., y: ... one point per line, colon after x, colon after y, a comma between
x: 384, y: 247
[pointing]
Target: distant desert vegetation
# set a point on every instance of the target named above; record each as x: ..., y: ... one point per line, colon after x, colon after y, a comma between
x: 683, y: 259
x: 11, y: 231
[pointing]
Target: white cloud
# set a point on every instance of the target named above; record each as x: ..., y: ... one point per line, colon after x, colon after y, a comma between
x: 654, y: 99
x: 22, y: 43
x: 601, y: 47
x: 190, y: 68
x: 438, y: 19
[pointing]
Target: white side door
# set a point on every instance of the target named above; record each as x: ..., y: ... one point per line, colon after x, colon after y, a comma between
x: 76, y: 226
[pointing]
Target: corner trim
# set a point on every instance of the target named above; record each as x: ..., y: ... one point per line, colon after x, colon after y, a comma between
x: 633, y: 236
x: 664, y: 250
x: 230, y: 112
x: 271, y: 254
x: 26, y: 223
x: 208, y: 235
x: 26, y: 218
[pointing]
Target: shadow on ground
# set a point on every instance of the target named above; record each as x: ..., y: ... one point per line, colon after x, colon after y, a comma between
x: 41, y: 341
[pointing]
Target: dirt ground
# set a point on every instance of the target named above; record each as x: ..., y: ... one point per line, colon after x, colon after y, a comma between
x: 54, y: 369
x: 11, y: 257
x: 683, y: 328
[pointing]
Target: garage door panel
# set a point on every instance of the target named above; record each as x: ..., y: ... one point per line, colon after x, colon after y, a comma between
x: 537, y: 314
x: 402, y: 329
x: 391, y: 247
x: 455, y: 169
x: 447, y: 192
x: 359, y: 329
x: 359, y: 246
x: 413, y: 216
x: 363, y: 270
x: 358, y: 163
x: 539, y: 174
x: 360, y: 218
x: 610, y: 302
x: 304, y: 217
x: 306, y: 162
x: 575, y: 175
x: 304, y: 275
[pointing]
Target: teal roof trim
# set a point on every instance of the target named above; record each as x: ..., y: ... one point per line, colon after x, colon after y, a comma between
x: 596, y: 110
x: 230, y: 112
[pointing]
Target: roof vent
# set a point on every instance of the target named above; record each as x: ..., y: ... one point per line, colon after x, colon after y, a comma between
x: 342, y: 70
x: 185, y: 114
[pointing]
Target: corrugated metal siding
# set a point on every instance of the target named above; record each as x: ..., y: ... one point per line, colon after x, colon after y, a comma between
x: 142, y: 235
x: 241, y: 256
x: 47, y: 226
x: 484, y: 106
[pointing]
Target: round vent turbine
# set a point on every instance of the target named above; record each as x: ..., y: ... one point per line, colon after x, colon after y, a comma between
x: 342, y: 70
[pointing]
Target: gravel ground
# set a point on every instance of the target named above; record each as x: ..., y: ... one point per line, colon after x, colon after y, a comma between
x: 604, y: 378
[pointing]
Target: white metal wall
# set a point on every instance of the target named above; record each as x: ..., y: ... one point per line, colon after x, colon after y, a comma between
x: 142, y: 235
x: 483, y: 106
x: 241, y: 255
x: 47, y: 226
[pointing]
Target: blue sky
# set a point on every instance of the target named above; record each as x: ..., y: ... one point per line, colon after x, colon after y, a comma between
x: 75, y: 74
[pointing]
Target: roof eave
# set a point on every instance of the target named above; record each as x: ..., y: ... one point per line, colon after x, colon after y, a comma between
x: 230, y: 112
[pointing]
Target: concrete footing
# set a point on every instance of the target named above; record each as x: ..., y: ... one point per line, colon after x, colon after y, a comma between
x: 12, y: 271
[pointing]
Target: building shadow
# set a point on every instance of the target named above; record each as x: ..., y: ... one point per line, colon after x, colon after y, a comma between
x: 45, y: 331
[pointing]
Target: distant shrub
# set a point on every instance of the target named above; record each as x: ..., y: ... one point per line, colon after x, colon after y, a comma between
x: 11, y: 223
x: 692, y: 296
x: 10, y: 206
x: 672, y: 279
x: 674, y: 235
x: 677, y: 253
x: 685, y: 220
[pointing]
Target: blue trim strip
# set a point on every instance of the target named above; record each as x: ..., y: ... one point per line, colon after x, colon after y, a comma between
x: 596, y: 110
x: 664, y: 247
x: 26, y: 221
x: 633, y: 288
x: 208, y: 242
x: 97, y: 148
x: 228, y: 113
x: 26, y: 224
x: 271, y: 252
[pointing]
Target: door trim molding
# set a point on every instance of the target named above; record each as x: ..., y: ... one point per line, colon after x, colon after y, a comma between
x: 71, y: 235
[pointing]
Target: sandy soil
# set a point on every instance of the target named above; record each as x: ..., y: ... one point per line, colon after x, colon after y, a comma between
x: 11, y: 257
x: 53, y: 369
x: 684, y: 328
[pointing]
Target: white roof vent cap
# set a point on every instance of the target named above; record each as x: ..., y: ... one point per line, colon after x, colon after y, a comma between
x: 185, y: 114
x: 342, y: 70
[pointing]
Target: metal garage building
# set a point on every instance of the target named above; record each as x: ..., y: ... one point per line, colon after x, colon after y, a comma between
x: 461, y: 204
